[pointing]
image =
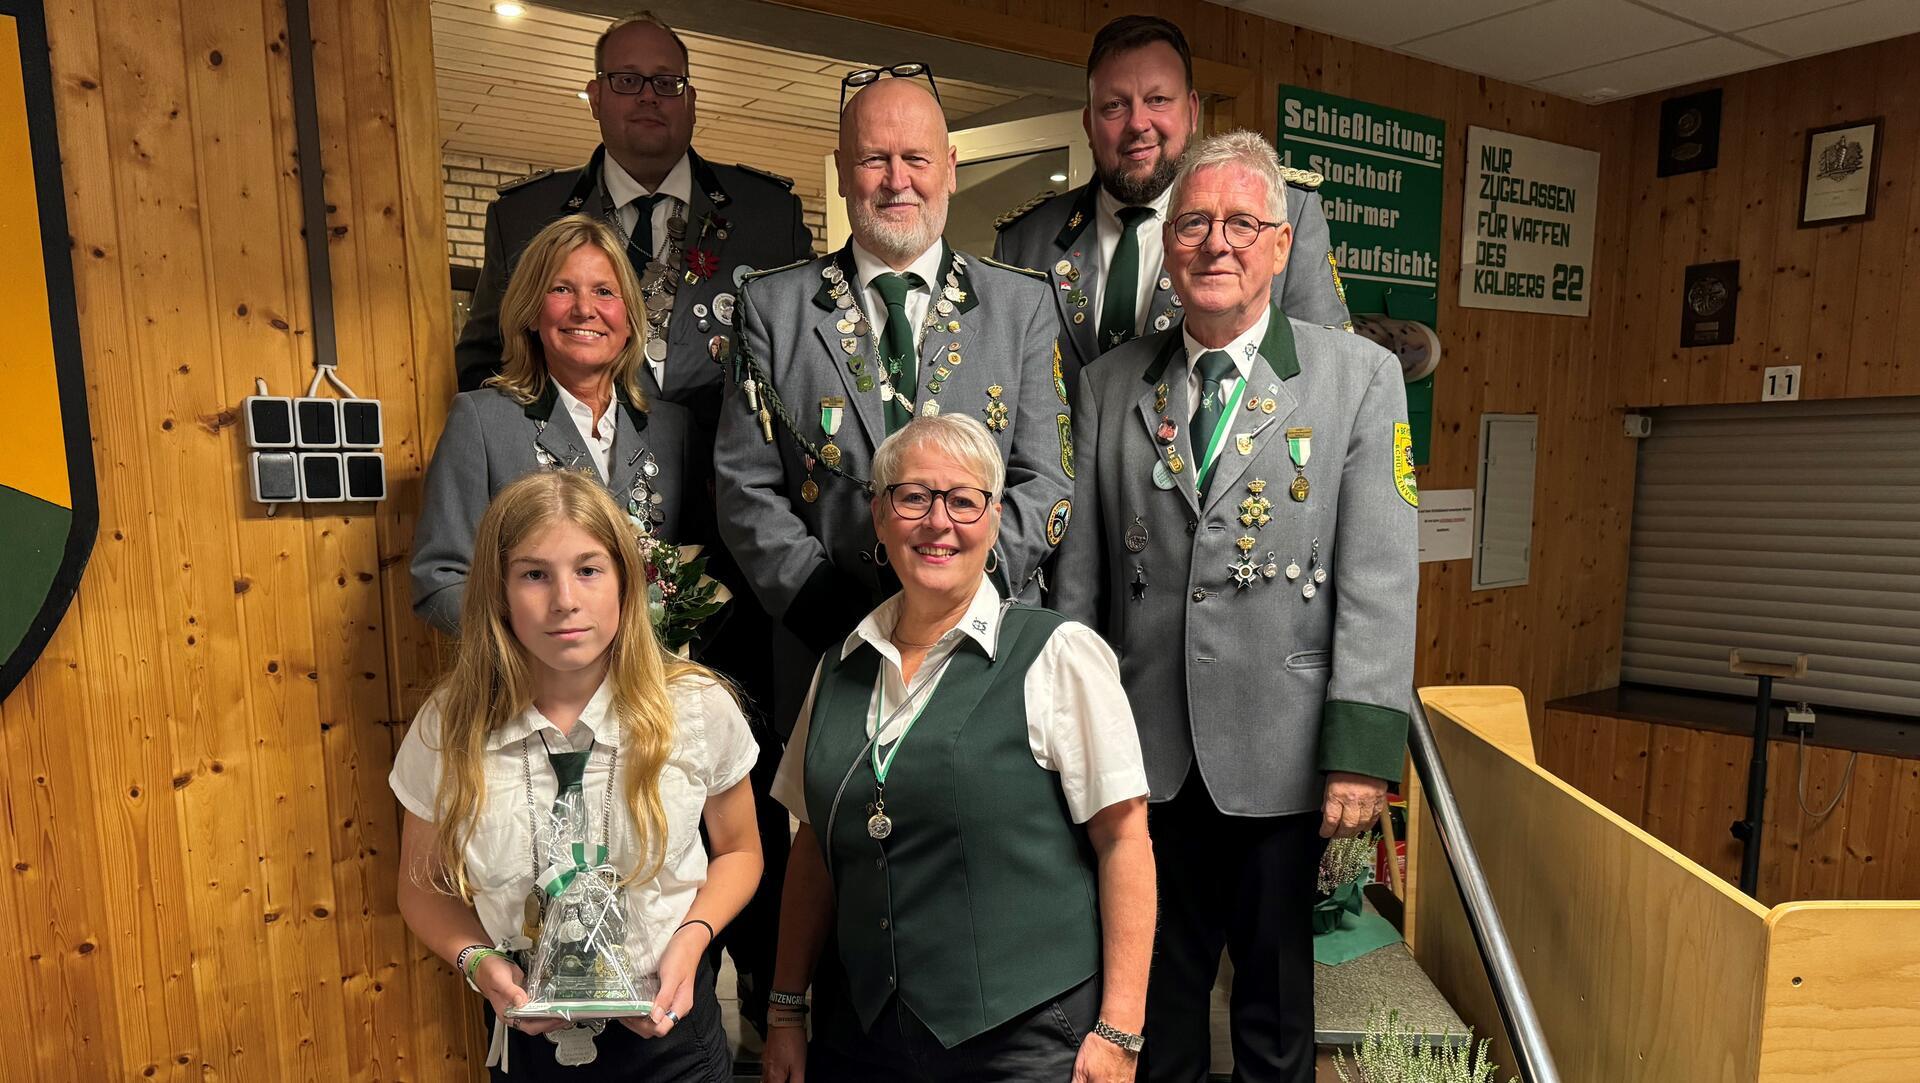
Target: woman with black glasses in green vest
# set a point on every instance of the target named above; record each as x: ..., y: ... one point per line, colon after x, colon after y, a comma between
x: 972, y: 872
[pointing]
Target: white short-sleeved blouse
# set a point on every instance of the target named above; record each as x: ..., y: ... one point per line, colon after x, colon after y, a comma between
x: 712, y: 751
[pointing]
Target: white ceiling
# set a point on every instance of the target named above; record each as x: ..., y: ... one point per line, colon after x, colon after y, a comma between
x: 1599, y: 50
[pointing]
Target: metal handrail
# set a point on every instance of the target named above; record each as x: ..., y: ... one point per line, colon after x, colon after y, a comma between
x: 1483, y: 916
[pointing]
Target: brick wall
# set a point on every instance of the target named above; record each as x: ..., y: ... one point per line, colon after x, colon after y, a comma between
x: 471, y: 182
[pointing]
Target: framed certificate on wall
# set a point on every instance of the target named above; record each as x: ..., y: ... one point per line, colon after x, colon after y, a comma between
x: 1843, y: 163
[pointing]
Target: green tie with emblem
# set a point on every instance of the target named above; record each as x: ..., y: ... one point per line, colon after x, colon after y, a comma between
x: 896, y: 344
x: 1117, y: 315
x: 1214, y: 368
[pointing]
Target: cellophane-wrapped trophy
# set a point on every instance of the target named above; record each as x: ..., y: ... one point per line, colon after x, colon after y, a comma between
x: 580, y: 967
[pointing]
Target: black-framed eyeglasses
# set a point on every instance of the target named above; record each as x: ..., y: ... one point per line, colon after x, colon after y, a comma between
x: 1194, y: 227
x: 632, y: 82
x: 908, y: 69
x: 912, y: 500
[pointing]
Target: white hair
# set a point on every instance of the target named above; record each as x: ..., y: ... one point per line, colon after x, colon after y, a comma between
x: 1242, y: 148
x: 960, y: 437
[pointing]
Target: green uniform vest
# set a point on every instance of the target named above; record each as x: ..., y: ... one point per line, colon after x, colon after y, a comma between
x: 982, y: 902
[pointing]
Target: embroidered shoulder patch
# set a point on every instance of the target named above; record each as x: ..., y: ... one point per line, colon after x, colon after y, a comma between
x: 1057, y: 521
x: 1059, y: 378
x: 1066, y: 443
x: 1403, y: 463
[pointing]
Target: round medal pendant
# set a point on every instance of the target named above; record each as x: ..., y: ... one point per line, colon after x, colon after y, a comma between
x: 1319, y: 575
x: 1293, y: 570
x: 1299, y: 489
x: 809, y: 491
x: 879, y: 825
x: 656, y: 349
x: 1308, y: 590
x: 830, y: 454
x: 1136, y: 538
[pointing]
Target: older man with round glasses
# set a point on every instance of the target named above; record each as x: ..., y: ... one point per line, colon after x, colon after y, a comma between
x: 1247, y: 543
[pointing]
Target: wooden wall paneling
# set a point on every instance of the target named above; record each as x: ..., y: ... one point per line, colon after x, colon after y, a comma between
x: 354, y: 81
x: 1871, y: 814
x: 112, y: 626
x: 1903, y: 876
x: 1796, y: 250
x: 448, y: 1042
x: 256, y: 314
x: 1718, y: 237
x: 1680, y: 240
x: 1758, y: 229
x: 1822, y: 838
x: 161, y: 233
x: 1641, y: 320
x: 1883, y: 246
x: 1716, y: 793
x: 1837, y: 262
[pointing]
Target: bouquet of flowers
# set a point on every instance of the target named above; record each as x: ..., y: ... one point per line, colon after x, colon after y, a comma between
x: 680, y: 593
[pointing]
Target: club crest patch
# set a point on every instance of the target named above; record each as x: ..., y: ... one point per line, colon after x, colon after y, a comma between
x: 1066, y: 443
x: 1059, y: 379
x: 1057, y: 518
x: 1403, y: 463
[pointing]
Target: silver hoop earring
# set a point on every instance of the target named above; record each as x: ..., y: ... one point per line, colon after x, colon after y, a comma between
x: 879, y: 554
x: 993, y: 561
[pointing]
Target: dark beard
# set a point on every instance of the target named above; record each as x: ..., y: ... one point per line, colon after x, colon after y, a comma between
x: 1140, y: 191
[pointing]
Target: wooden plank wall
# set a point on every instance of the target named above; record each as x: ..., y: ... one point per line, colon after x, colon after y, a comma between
x: 200, y: 834
x: 1686, y: 786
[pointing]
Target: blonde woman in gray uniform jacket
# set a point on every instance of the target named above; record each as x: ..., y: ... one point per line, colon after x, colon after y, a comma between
x: 569, y: 398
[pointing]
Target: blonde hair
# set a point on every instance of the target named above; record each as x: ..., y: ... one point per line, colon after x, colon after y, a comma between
x: 960, y: 437
x: 1243, y: 148
x: 491, y: 682
x: 523, y: 362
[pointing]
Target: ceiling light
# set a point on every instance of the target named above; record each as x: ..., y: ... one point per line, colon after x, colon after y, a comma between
x: 1058, y: 178
x: 509, y: 11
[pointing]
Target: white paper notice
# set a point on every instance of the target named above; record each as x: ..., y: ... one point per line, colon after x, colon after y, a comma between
x: 1446, y: 524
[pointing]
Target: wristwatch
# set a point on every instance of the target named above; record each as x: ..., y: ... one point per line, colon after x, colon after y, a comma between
x: 1132, y: 1043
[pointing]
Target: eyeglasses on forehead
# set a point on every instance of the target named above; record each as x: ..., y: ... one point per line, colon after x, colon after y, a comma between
x: 908, y: 69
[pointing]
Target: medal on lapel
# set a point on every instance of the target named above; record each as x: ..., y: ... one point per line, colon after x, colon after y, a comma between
x: 832, y: 409
x: 1299, y: 449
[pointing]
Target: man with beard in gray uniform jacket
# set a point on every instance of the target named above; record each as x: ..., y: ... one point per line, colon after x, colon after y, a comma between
x: 1100, y: 243
x: 837, y: 352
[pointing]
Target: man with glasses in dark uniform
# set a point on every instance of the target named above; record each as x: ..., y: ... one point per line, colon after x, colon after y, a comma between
x: 693, y: 230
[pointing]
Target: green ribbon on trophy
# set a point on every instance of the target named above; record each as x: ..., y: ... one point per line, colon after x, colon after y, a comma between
x: 576, y: 859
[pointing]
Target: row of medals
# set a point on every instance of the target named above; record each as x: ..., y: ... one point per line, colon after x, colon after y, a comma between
x: 658, y: 285
x: 1256, y: 511
x: 855, y: 329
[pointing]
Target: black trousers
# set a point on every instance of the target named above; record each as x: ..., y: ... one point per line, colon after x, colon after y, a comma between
x: 694, y: 1051
x: 1037, y: 1046
x: 1245, y: 884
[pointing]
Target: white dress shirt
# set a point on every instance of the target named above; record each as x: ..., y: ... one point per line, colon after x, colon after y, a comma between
x: 599, y: 434
x: 867, y: 267
x: 1079, y: 724
x: 712, y: 751
x: 623, y: 190
x: 1106, y: 233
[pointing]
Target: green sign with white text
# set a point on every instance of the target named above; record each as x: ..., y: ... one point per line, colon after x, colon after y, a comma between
x: 1384, y: 171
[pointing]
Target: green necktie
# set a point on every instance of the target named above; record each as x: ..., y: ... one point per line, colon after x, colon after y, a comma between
x: 640, y: 244
x: 1214, y: 366
x: 896, y: 342
x: 1118, y: 317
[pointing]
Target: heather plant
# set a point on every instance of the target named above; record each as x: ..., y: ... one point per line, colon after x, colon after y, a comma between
x: 1388, y: 1055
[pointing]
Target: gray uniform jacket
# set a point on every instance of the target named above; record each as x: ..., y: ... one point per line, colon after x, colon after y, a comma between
x: 490, y: 442
x: 993, y: 355
x: 1268, y: 688
x: 1062, y: 229
x: 763, y: 228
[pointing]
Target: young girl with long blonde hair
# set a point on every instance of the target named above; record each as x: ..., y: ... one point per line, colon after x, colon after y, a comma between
x: 559, y: 685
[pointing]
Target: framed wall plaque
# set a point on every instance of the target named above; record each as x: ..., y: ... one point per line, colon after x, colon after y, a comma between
x: 1708, y: 304
x: 1842, y: 166
x: 1690, y: 133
